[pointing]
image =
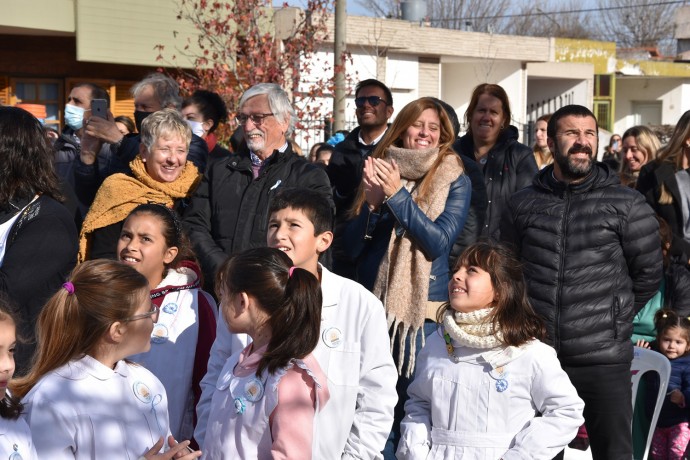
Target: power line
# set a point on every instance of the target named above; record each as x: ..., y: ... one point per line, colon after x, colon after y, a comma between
x: 547, y: 13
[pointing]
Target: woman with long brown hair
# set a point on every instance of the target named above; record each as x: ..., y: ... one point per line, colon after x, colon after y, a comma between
x: 38, y: 238
x: 410, y: 208
x: 665, y: 183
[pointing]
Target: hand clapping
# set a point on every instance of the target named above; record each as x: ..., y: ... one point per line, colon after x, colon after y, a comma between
x: 381, y: 180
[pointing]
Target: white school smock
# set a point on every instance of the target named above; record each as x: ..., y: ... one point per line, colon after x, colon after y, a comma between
x: 173, y: 348
x: 456, y: 410
x: 15, y: 438
x: 239, y: 423
x: 354, y: 353
x: 84, y: 410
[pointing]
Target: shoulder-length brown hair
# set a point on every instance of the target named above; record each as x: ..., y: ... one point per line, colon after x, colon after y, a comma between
x: 646, y: 141
x: 672, y: 152
x: 72, y: 325
x: 496, y: 91
x: 512, y: 313
x: 406, y: 118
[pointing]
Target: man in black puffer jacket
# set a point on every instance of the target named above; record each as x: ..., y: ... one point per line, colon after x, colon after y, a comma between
x: 592, y: 259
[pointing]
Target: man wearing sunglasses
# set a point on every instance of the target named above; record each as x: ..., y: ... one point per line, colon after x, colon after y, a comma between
x: 373, y: 108
x: 228, y: 212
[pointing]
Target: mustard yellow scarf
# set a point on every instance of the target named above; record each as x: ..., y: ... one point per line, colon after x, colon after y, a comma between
x: 120, y: 194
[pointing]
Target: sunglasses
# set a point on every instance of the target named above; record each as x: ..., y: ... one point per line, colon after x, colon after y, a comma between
x: 372, y: 100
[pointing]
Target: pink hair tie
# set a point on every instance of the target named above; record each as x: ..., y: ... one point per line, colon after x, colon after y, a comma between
x: 292, y: 269
x: 69, y: 287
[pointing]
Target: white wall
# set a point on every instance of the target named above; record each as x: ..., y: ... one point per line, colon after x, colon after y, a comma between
x: 560, y: 91
x: 459, y: 79
x: 674, y: 94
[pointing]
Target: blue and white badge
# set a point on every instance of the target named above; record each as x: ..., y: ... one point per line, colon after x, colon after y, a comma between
x: 240, y: 406
x: 15, y: 455
x: 142, y: 392
x: 332, y: 337
x: 170, y: 308
x: 253, y: 390
x: 159, y: 333
x: 501, y: 385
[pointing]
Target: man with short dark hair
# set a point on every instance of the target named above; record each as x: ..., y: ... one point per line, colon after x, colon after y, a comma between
x: 374, y: 107
x: 592, y: 259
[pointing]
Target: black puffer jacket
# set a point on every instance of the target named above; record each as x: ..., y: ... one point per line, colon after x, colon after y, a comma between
x: 592, y: 259
x: 510, y: 166
x: 229, y: 210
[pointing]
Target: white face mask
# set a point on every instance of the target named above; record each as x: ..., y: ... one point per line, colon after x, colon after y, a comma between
x: 74, y: 117
x: 197, y: 127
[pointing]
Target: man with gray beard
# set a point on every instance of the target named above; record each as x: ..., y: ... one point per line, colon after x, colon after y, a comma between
x: 229, y: 211
x: 592, y: 259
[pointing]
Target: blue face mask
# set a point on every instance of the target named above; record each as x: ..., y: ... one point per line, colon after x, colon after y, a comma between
x: 74, y: 117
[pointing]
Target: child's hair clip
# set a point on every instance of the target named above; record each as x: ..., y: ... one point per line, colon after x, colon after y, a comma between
x: 664, y: 315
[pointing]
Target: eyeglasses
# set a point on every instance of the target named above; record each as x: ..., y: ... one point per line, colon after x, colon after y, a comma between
x: 372, y: 100
x: 256, y: 118
x: 153, y: 314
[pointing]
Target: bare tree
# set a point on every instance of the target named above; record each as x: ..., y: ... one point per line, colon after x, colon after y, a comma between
x: 476, y: 15
x: 537, y: 19
x: 639, y: 23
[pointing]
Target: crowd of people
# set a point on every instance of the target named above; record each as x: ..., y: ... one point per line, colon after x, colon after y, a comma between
x: 400, y: 292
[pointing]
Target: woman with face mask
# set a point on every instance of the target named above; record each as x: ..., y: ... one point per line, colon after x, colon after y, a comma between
x: 204, y: 110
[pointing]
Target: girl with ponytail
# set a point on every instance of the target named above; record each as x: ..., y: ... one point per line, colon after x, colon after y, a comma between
x: 82, y: 399
x: 268, y: 394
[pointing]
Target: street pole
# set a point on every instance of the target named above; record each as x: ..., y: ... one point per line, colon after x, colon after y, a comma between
x: 339, y: 65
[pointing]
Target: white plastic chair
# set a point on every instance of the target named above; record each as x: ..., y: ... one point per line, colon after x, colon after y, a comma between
x: 645, y: 360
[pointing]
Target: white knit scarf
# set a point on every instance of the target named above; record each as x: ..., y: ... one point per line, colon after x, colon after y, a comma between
x: 474, y: 330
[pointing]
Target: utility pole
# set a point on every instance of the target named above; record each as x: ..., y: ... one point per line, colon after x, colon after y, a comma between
x: 339, y: 64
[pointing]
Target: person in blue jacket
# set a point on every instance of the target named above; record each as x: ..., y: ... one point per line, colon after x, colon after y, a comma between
x: 409, y: 209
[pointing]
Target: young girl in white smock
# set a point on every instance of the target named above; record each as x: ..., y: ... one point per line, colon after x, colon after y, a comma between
x: 482, y: 379
x: 153, y: 243
x: 82, y: 399
x: 15, y: 436
x: 268, y: 394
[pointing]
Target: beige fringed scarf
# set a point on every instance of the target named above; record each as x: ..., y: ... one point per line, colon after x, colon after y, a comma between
x: 402, y: 282
x: 120, y: 194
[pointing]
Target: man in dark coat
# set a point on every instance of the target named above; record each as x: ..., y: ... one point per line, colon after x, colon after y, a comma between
x: 592, y: 259
x: 229, y: 210
x: 374, y: 107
